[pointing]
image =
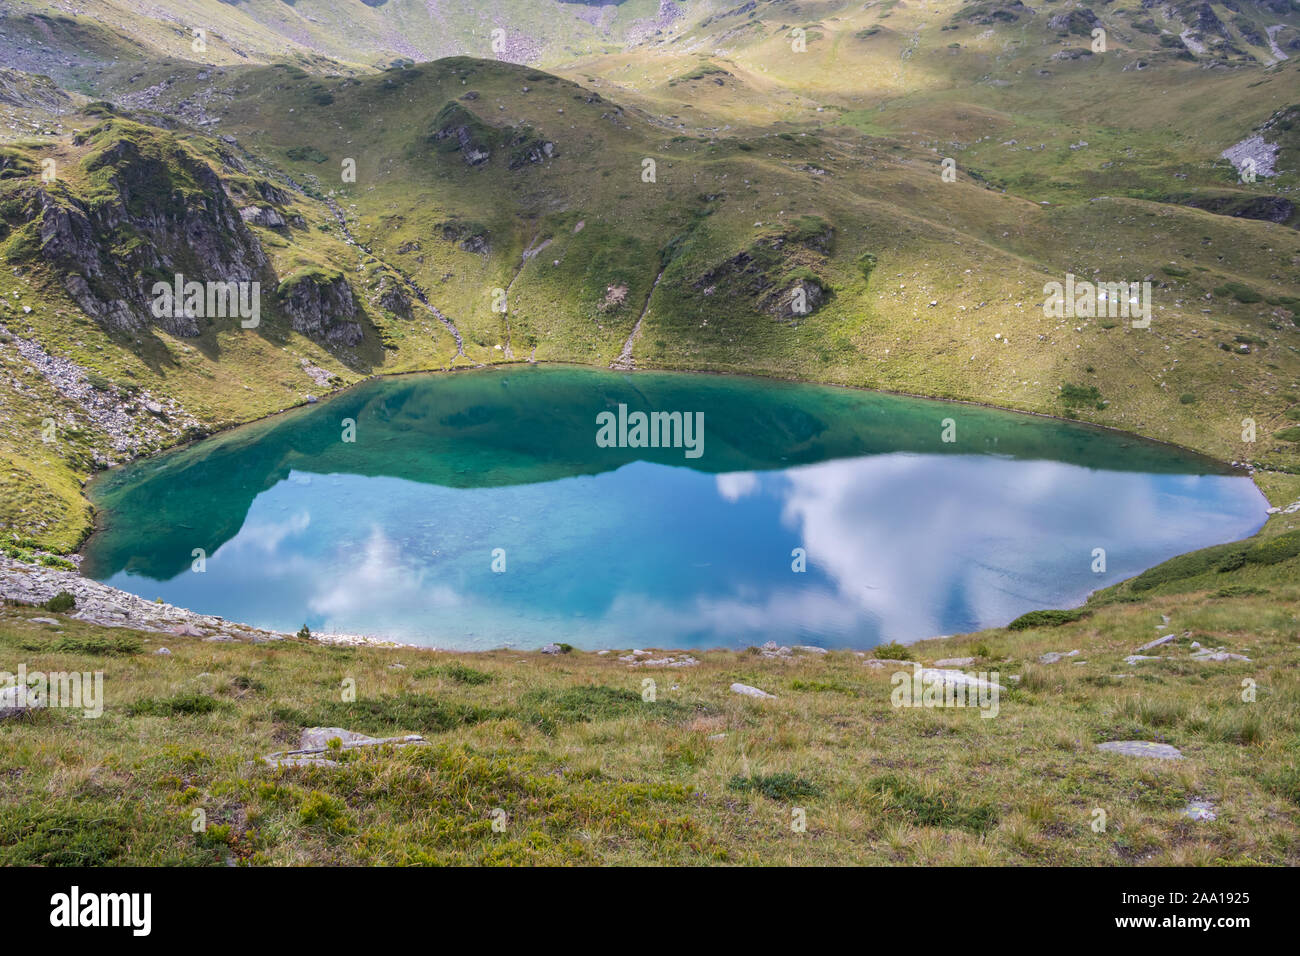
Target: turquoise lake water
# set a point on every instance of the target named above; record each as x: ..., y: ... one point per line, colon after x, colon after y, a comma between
x: 396, y: 533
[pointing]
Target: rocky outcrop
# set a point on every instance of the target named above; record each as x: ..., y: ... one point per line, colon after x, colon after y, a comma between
x: 132, y: 423
x: 150, y: 211
x: 1201, y: 20
x: 457, y: 130
x: 320, y: 305
x: 33, y: 584
x: 1254, y: 153
x: 800, y: 300
x: 1079, y: 22
x: 529, y: 150
x: 393, y: 297
x: 31, y: 91
x: 469, y: 236
x: 262, y: 216
x: 988, y: 12
x: 1264, y: 208
x: 776, y: 272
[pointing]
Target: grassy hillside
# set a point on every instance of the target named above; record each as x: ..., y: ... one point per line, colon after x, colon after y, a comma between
x: 81, y: 44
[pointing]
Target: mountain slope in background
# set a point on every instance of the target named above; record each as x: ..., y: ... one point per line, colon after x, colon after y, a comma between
x: 745, y: 186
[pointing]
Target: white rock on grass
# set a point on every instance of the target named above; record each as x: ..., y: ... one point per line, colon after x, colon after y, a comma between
x: 318, y: 738
x: 1200, y: 810
x: 879, y: 662
x: 314, y: 745
x: 685, y: 660
x: 1158, y: 642
x: 16, y: 701
x: 1142, y: 748
x: 748, y: 691
x: 955, y: 662
x: 957, y: 678
x: 1218, y: 654
x: 1051, y: 657
x: 278, y: 762
x: 1135, y: 658
x: 1261, y: 154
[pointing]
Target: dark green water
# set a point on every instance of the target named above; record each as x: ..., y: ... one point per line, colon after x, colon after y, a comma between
x: 396, y: 533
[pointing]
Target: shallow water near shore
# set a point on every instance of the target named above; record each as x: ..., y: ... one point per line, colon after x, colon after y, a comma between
x: 478, y: 509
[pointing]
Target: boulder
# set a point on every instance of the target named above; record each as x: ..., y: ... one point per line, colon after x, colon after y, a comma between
x: 1158, y: 642
x: 320, y: 305
x: 262, y: 216
x: 16, y: 701
x: 1218, y: 654
x: 1142, y: 748
x: 1051, y: 657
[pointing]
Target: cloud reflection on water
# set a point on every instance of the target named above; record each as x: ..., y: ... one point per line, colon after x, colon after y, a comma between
x: 899, y: 546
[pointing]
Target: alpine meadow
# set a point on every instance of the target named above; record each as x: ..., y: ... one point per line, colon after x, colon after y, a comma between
x: 784, y: 433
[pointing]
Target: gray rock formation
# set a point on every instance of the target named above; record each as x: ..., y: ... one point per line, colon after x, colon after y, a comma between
x: 17, y: 701
x: 1142, y: 748
x: 320, y: 305
x: 159, y: 212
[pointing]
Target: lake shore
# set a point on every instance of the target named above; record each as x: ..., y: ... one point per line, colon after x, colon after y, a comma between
x: 34, y: 584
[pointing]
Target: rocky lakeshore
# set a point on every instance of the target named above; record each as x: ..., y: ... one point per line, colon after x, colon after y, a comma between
x: 96, y: 603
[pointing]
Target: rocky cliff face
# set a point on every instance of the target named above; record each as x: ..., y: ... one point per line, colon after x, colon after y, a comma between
x: 152, y: 211
x: 321, y: 306
x: 147, y: 209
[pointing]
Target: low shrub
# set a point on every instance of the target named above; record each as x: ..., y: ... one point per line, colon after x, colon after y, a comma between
x: 60, y: 603
x: 775, y: 786
x: 893, y: 651
x: 930, y: 808
x: 1054, y: 618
